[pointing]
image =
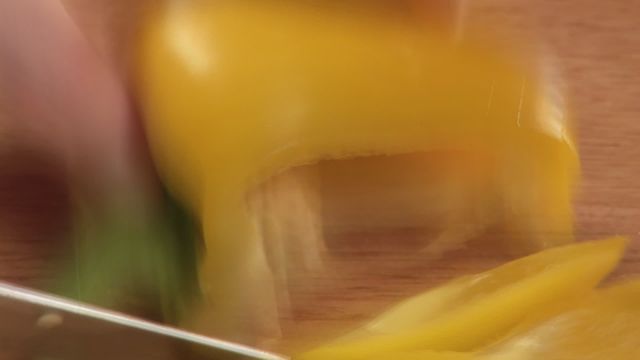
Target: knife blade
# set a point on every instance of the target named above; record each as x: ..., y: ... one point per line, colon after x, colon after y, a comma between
x: 39, y: 326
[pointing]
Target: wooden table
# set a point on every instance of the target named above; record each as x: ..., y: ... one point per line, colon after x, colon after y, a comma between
x: 597, y: 44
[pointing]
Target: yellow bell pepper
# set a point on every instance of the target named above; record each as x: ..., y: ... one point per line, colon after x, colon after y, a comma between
x: 234, y: 92
x: 426, y: 355
x: 604, y: 326
x: 473, y: 311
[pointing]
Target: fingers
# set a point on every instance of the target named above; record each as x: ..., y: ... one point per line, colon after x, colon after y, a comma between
x: 57, y: 95
x: 108, y: 25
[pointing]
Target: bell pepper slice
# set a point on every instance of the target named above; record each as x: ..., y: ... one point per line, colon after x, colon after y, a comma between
x: 473, y: 311
x: 603, y: 326
x: 235, y: 92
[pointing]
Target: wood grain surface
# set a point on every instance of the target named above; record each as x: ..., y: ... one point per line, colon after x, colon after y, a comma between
x: 597, y: 46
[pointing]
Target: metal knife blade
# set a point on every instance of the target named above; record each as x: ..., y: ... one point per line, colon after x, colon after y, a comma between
x: 39, y: 326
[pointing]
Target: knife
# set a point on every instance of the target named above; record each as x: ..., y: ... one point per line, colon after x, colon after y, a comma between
x: 38, y: 326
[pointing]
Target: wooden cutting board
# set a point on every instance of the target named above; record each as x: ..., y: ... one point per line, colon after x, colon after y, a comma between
x: 597, y: 45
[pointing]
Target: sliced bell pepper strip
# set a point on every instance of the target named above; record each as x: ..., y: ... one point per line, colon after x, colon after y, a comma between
x: 473, y: 311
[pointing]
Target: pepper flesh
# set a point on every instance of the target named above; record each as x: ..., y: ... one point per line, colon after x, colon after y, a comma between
x: 603, y: 326
x: 236, y: 91
x: 473, y: 311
